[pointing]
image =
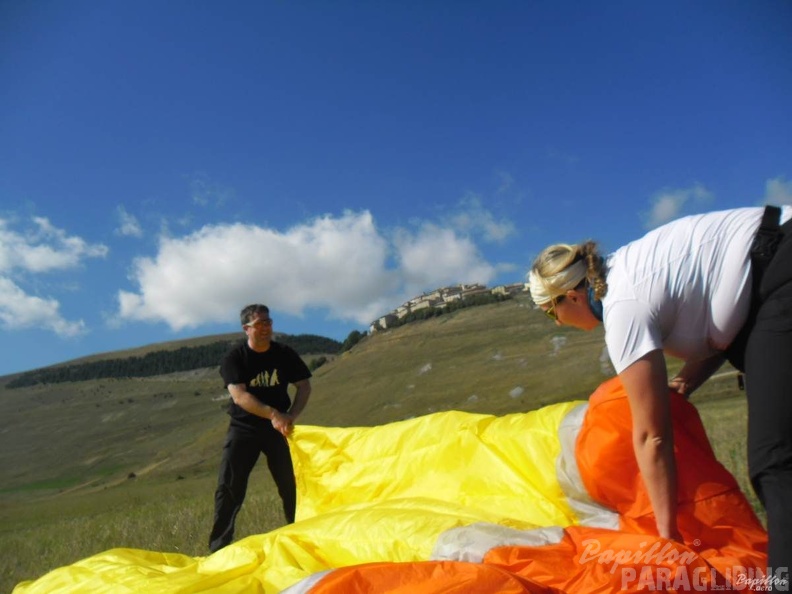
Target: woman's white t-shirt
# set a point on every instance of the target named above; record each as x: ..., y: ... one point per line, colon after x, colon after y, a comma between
x: 683, y: 287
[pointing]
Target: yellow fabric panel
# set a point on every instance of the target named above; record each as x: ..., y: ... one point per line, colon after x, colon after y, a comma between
x: 137, y: 571
x: 365, y: 494
x: 480, y: 462
x: 396, y: 530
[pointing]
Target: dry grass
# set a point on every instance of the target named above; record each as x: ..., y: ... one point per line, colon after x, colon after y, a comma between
x: 170, y: 517
x: 66, y: 450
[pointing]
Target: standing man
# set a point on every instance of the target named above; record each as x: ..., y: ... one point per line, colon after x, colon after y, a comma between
x: 257, y: 374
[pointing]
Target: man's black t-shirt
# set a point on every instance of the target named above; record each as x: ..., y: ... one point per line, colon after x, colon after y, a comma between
x: 267, y: 376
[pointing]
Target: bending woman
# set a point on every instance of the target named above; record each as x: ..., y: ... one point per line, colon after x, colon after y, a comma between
x: 685, y: 289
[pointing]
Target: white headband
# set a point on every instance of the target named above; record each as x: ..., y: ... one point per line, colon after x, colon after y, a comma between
x: 567, y: 279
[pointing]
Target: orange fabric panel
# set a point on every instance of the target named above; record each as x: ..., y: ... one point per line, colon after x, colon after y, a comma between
x: 596, y: 560
x: 713, y: 513
x: 428, y: 577
x: 722, y: 533
x: 607, y: 461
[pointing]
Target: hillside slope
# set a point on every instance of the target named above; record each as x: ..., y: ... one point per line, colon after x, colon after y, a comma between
x: 499, y: 358
x: 496, y: 359
x: 94, y: 465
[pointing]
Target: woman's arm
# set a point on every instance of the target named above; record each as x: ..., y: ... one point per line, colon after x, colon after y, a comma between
x: 695, y: 373
x: 646, y: 382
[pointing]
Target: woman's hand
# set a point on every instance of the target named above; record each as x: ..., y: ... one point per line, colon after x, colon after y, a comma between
x: 680, y: 385
x: 695, y: 373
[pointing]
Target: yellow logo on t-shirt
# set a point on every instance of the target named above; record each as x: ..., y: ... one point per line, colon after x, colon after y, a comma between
x: 265, y: 380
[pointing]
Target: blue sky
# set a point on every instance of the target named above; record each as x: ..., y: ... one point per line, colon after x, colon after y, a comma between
x: 163, y: 164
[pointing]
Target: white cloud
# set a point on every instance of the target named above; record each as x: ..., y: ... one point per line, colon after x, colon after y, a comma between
x: 128, y: 225
x: 505, y: 182
x: 43, y: 248
x: 19, y: 310
x: 39, y: 249
x: 205, y: 192
x: 778, y: 191
x: 471, y: 217
x: 566, y: 158
x: 436, y: 256
x: 670, y: 204
x: 340, y: 264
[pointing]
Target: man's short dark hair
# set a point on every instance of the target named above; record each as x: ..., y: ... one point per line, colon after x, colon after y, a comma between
x: 249, y: 312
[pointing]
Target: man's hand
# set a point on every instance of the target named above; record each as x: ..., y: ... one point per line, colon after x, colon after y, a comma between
x: 283, y: 423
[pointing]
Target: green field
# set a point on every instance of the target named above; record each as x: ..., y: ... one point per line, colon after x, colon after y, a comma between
x: 90, y: 466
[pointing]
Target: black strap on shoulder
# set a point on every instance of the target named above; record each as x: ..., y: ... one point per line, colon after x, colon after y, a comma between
x: 763, y: 249
x: 767, y: 237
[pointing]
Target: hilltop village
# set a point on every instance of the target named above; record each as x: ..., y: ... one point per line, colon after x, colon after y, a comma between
x: 440, y: 298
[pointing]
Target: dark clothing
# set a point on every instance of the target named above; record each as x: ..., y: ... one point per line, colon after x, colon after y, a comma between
x: 240, y: 454
x: 768, y: 377
x: 267, y: 377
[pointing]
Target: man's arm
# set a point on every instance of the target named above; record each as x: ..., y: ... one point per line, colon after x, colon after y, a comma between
x: 300, y: 398
x: 249, y: 403
x: 285, y: 422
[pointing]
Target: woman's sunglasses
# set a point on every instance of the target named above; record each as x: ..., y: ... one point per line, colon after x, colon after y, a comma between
x: 551, y: 311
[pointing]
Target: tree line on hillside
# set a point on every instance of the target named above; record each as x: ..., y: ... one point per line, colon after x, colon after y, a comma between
x: 199, y: 357
x: 163, y: 362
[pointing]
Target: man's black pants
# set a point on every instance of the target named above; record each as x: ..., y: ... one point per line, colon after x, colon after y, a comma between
x: 768, y: 375
x: 240, y: 453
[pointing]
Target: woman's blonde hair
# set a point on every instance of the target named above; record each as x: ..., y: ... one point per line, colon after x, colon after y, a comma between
x: 547, y: 272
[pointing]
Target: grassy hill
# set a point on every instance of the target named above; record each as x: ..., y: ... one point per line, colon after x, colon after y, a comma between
x: 88, y: 466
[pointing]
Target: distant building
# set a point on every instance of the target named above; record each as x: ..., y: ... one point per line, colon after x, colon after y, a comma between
x: 513, y: 289
x: 440, y: 298
x: 383, y: 323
